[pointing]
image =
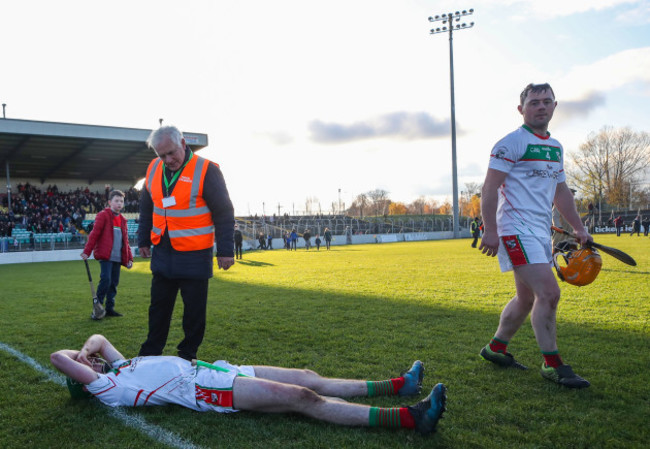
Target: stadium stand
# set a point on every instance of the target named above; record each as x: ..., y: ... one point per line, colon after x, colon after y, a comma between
x: 46, y: 220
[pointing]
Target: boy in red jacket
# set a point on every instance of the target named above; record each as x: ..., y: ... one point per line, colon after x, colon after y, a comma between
x: 110, y: 242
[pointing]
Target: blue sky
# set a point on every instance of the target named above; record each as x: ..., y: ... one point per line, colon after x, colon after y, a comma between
x: 300, y: 99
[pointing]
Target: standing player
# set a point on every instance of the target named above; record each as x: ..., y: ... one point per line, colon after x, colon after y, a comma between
x: 524, y: 179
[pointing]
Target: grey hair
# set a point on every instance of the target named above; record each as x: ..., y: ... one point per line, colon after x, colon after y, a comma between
x: 158, y: 135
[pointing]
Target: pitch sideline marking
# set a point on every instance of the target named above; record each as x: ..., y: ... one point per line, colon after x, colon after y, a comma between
x: 136, y: 422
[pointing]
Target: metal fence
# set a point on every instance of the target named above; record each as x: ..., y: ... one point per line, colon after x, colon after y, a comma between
x: 343, y: 225
x: 23, y: 240
x: 48, y: 242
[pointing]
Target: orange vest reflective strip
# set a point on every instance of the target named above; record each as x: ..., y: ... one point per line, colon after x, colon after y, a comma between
x: 189, y: 221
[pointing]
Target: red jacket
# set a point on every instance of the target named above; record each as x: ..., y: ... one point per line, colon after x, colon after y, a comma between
x: 100, y: 239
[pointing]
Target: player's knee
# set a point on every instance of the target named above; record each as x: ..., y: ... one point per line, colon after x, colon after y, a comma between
x: 310, y: 374
x: 304, y: 395
x: 550, y: 298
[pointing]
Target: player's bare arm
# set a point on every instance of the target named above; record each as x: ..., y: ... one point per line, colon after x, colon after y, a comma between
x: 565, y: 203
x: 75, y: 364
x: 489, y: 201
x: 65, y: 361
x: 98, y: 344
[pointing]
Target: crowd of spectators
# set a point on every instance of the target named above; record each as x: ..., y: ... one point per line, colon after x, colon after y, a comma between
x: 52, y: 211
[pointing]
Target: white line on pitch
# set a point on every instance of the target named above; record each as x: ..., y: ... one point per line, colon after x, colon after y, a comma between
x: 137, y: 422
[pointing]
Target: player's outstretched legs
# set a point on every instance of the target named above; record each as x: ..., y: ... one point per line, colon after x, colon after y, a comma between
x: 263, y: 395
x: 408, y: 384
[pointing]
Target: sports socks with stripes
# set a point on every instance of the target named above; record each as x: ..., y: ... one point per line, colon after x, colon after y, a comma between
x: 552, y: 359
x: 392, y: 418
x: 497, y: 345
x: 385, y: 387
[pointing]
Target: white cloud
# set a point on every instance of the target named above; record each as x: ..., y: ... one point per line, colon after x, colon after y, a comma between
x: 638, y: 15
x: 560, y: 8
x: 612, y: 72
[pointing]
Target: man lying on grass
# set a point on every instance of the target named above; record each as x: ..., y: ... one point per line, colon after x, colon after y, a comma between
x: 225, y: 388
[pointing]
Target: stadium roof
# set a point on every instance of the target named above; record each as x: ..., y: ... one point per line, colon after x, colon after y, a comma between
x: 49, y: 150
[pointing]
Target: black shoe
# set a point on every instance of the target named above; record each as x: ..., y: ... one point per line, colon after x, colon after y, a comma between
x: 428, y: 412
x: 113, y: 312
x: 506, y: 360
x: 564, y: 375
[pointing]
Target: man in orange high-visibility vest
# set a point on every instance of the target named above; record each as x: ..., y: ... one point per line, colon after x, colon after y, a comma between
x: 184, y: 207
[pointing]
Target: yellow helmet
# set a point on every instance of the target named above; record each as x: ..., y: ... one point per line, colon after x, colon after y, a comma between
x: 582, y: 266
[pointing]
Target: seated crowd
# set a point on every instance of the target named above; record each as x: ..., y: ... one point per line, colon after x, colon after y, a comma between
x: 52, y: 211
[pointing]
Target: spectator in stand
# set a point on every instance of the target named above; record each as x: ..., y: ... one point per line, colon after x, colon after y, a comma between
x: 110, y: 243
x: 41, y: 211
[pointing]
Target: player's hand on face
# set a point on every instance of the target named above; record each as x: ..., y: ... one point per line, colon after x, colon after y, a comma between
x: 82, y: 357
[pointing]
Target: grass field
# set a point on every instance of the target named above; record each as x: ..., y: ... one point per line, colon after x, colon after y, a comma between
x: 362, y: 311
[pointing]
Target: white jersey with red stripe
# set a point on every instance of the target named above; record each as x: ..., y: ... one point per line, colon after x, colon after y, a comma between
x: 534, y: 166
x: 163, y: 380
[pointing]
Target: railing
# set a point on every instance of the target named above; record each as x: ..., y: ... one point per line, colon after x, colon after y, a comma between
x: 48, y: 242
x: 252, y: 227
x: 343, y: 225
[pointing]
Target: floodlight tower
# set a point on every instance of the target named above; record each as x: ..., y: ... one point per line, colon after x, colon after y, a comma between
x: 448, y: 19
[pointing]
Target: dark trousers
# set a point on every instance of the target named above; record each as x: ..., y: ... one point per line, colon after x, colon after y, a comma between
x: 109, y: 278
x: 163, y: 297
x: 238, y: 247
x: 475, y: 241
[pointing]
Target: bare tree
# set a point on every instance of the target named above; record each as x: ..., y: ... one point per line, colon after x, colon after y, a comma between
x: 418, y: 206
x: 473, y: 188
x: 362, y: 201
x: 359, y: 204
x: 311, y: 202
x: 610, y: 164
x: 432, y: 207
x: 380, y: 201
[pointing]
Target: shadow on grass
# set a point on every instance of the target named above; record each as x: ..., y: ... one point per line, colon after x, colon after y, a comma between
x: 625, y: 271
x: 356, y: 336
x: 254, y: 263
